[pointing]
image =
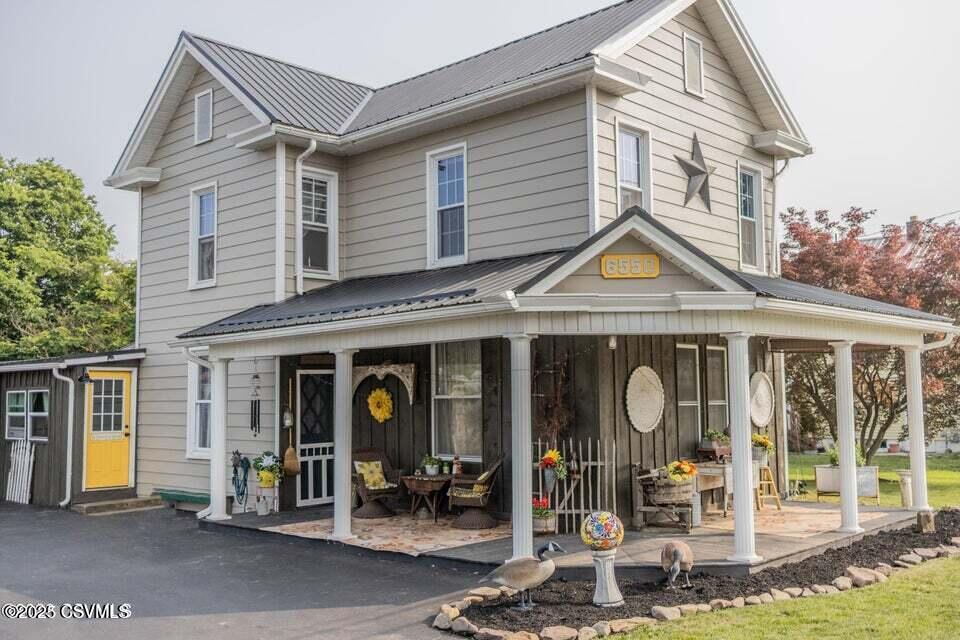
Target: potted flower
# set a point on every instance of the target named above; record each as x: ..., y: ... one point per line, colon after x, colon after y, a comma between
x: 268, y: 468
x: 554, y: 468
x: 827, y: 476
x: 762, y: 448
x: 715, y: 445
x: 544, y: 518
x: 676, y: 483
x: 431, y: 465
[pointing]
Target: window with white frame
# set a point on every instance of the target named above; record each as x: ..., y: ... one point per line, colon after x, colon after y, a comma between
x: 716, y: 391
x: 199, y: 396
x: 688, y: 389
x: 318, y: 223
x: 203, y: 236
x: 203, y: 116
x: 751, y: 217
x: 457, y: 428
x: 28, y: 414
x: 447, y: 206
x: 692, y: 65
x: 633, y: 149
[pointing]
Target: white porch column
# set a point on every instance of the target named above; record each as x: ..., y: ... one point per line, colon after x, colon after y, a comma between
x: 521, y: 445
x: 918, y: 445
x: 342, y: 442
x: 846, y: 445
x: 744, y: 542
x: 220, y: 371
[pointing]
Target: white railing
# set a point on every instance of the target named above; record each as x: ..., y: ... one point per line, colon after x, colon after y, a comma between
x: 20, y: 478
x: 591, y: 482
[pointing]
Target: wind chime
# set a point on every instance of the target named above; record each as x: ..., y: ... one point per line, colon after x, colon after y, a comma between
x: 255, y: 400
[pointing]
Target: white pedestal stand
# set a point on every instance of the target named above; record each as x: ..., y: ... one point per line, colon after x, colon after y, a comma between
x: 607, y: 593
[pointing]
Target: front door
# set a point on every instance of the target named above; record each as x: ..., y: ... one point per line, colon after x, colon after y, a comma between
x: 108, y: 429
x: 315, y: 437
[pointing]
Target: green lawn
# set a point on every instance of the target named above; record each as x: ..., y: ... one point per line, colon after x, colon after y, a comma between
x: 943, y: 477
x: 919, y: 604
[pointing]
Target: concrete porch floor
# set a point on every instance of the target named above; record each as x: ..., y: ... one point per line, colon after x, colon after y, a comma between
x: 802, y: 529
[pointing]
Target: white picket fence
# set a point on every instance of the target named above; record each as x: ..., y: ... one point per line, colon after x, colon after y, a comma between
x: 20, y: 478
x: 590, y: 485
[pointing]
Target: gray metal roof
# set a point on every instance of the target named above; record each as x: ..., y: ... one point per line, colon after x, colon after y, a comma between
x: 119, y: 355
x: 288, y: 93
x: 372, y: 296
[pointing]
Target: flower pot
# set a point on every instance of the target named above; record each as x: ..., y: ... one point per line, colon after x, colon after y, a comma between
x: 761, y: 455
x: 549, y: 479
x: 545, y: 526
x: 893, y: 447
x: 432, y: 469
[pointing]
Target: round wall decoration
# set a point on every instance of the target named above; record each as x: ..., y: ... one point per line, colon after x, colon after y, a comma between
x: 644, y: 399
x: 381, y: 404
x: 761, y: 399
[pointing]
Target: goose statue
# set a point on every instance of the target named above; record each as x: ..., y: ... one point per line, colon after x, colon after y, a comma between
x: 526, y: 573
x: 675, y: 557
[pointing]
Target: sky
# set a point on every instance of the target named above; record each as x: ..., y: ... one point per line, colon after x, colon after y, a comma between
x: 873, y: 82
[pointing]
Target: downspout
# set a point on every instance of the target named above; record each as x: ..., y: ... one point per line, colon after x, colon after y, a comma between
x: 775, y: 262
x: 200, y: 362
x: 939, y: 344
x: 299, y: 222
x: 71, y: 390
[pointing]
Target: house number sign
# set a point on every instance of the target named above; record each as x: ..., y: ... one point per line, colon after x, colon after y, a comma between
x: 630, y: 265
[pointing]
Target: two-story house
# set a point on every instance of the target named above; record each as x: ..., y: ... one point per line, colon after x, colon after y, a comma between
x: 589, y: 208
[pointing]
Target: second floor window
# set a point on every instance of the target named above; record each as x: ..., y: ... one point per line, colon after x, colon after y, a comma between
x: 203, y: 236
x: 447, y: 190
x: 751, y: 218
x: 318, y: 223
x: 633, y: 152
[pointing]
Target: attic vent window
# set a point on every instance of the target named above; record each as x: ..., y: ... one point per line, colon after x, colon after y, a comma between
x: 203, y: 116
x: 692, y: 65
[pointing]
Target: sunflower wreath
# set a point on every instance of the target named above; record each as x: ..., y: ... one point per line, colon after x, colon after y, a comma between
x: 381, y: 404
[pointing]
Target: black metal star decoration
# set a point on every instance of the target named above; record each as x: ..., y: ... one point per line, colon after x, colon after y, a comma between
x: 698, y: 174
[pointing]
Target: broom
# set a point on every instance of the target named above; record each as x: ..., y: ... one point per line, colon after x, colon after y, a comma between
x: 291, y: 463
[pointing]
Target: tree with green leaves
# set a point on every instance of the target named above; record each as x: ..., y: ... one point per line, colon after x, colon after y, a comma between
x: 61, y: 291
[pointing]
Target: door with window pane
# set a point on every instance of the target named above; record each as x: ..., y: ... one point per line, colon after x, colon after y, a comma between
x: 315, y: 437
x: 108, y: 419
x: 457, y: 411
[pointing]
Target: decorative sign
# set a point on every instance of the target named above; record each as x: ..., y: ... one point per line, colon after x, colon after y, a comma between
x: 644, y: 399
x: 761, y: 399
x: 630, y: 265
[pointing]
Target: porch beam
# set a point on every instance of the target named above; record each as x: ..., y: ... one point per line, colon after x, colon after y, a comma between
x: 521, y: 445
x: 918, y: 445
x: 741, y: 431
x: 843, y: 369
x: 342, y: 443
x: 220, y: 372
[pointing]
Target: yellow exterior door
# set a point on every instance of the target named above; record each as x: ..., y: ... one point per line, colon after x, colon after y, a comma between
x: 108, y: 429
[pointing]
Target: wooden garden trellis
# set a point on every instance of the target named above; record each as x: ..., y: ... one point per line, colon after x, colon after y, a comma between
x: 20, y: 477
x: 591, y: 482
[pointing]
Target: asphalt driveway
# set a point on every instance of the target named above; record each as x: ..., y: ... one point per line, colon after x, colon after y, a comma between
x: 182, y: 582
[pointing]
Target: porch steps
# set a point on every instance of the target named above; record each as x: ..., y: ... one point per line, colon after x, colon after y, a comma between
x: 123, y: 505
x: 190, y: 501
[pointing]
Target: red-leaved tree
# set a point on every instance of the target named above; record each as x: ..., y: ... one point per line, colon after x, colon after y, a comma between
x: 918, y: 268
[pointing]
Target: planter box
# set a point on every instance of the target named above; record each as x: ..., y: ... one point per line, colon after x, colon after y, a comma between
x: 545, y: 526
x: 828, y: 481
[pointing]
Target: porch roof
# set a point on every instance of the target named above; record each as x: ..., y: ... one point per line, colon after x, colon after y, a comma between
x: 491, y: 280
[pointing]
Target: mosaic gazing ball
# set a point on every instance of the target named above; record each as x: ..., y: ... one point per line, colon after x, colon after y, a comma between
x: 601, y: 531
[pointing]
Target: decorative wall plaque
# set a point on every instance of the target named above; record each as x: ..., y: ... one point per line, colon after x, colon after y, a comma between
x: 698, y: 174
x: 406, y: 372
x: 644, y: 399
x: 761, y: 399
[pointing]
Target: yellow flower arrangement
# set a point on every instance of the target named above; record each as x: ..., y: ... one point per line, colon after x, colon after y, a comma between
x: 762, y: 441
x: 381, y: 404
x: 681, y: 471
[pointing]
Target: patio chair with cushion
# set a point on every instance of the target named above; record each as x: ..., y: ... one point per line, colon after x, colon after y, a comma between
x: 473, y: 494
x: 375, y: 479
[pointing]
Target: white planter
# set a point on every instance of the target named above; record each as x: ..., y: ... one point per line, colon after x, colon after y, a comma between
x: 432, y: 469
x: 828, y: 480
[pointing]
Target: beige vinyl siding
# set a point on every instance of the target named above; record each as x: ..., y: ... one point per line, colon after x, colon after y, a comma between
x: 526, y: 182
x: 245, y: 276
x: 723, y: 120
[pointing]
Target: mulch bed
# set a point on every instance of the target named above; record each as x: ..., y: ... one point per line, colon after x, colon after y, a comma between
x: 570, y: 602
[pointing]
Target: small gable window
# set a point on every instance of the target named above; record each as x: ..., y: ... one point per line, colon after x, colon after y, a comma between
x: 692, y: 65
x: 318, y: 223
x: 447, y: 208
x: 751, y: 217
x: 203, y: 116
x: 633, y: 150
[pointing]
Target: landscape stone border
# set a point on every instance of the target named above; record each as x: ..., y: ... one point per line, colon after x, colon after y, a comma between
x: 451, y: 617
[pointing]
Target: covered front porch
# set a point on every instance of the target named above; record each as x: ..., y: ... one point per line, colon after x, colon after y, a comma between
x: 518, y: 310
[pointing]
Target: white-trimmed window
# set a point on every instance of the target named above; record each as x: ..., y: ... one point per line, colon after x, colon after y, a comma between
x: 28, y: 414
x: 447, y: 206
x: 688, y: 389
x: 317, y: 197
x: 457, y: 404
x: 750, y: 200
x: 692, y: 65
x: 716, y: 391
x: 203, y: 236
x: 633, y: 168
x: 199, y: 396
x: 203, y: 116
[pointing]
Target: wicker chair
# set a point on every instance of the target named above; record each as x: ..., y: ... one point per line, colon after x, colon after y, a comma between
x: 473, y: 494
x: 372, y: 505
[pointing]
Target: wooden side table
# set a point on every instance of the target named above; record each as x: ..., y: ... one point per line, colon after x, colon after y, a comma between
x: 426, y: 491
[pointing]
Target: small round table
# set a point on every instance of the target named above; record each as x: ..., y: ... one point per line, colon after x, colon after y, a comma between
x: 426, y: 490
